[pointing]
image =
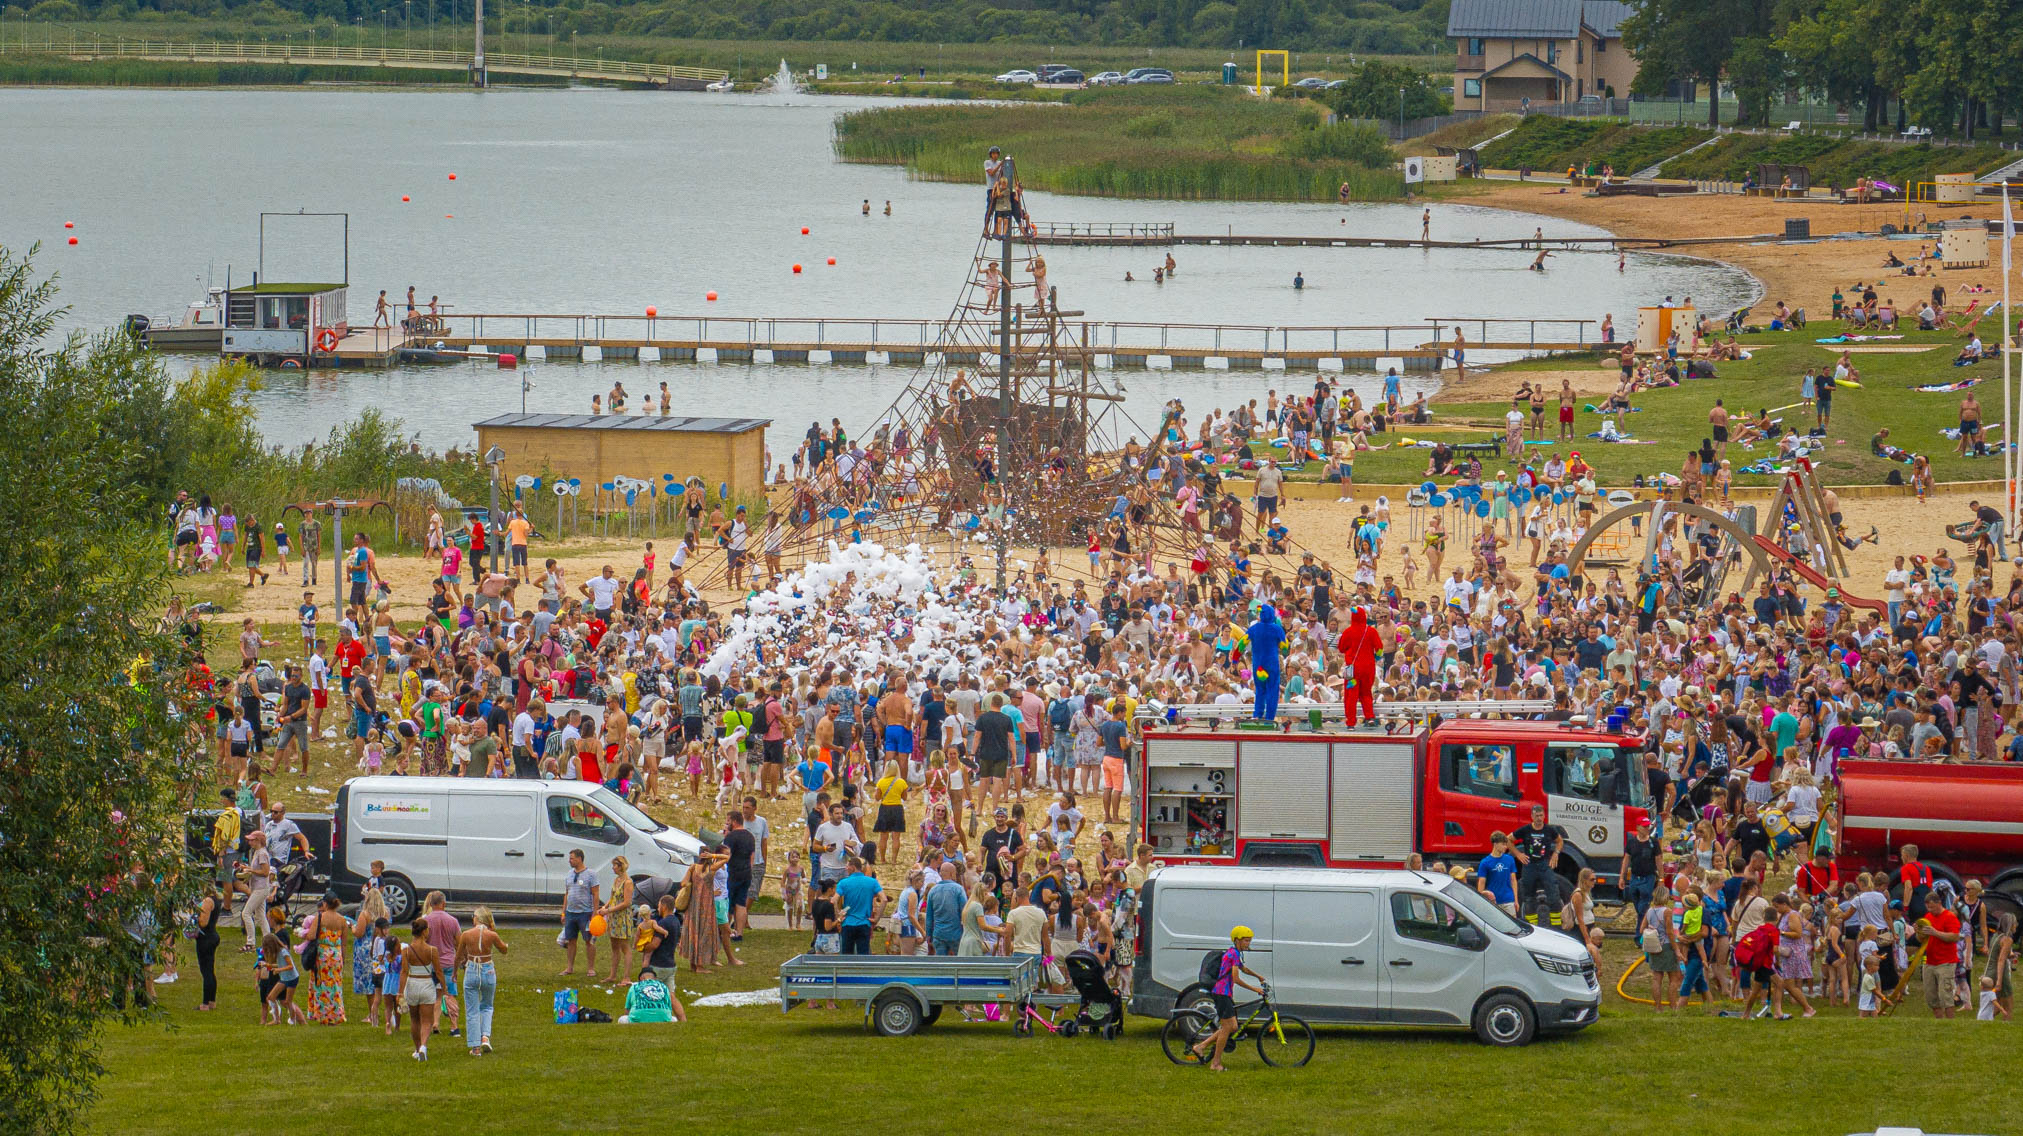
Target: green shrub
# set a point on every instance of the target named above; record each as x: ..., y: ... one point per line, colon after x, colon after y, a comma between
x: 1158, y: 125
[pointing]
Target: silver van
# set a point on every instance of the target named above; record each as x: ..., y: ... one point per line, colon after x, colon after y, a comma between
x: 1363, y: 947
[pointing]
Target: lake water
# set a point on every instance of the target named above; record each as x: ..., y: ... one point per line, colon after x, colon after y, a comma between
x: 600, y: 201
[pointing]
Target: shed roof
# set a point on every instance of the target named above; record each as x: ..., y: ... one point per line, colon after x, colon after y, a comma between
x: 1546, y: 19
x: 673, y: 424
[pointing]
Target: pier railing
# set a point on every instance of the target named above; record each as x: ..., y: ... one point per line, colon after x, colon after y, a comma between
x: 1141, y: 230
x: 1105, y: 337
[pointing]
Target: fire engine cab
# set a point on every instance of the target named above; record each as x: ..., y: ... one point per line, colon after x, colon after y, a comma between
x: 1311, y: 794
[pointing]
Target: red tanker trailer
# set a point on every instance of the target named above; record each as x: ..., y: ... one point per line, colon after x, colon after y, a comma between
x: 1967, y: 821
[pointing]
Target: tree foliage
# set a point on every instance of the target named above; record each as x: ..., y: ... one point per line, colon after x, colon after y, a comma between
x: 1372, y: 26
x: 1947, y: 64
x: 96, y: 763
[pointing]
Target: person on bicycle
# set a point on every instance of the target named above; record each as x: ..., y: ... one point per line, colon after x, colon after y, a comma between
x: 1229, y: 975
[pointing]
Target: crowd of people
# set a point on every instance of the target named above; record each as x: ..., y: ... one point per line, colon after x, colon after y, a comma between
x: 914, y: 759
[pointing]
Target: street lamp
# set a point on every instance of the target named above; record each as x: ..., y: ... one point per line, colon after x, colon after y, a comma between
x: 382, y: 34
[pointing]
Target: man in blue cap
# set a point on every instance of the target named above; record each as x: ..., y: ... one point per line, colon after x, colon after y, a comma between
x: 1265, y: 636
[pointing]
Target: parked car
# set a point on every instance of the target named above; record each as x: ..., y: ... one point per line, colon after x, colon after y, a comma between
x: 1337, y: 84
x: 1019, y: 76
x: 1047, y: 71
x: 1148, y: 75
x: 1106, y: 78
x: 1311, y: 83
x: 1590, y: 100
x: 1066, y: 75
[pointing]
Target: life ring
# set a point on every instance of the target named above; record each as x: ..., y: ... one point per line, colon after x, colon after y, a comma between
x: 326, y: 340
x: 291, y: 363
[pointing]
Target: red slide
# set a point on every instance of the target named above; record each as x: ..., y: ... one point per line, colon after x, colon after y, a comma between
x: 1805, y: 572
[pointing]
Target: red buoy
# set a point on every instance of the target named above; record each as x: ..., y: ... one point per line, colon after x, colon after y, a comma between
x: 710, y: 296
x: 652, y: 312
x: 70, y: 224
x: 453, y: 177
x: 832, y: 260
x: 804, y: 230
x: 73, y: 240
x: 797, y: 268
x: 508, y: 361
x: 403, y: 197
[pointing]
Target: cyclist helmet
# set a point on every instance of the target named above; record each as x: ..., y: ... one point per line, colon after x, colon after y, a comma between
x: 1239, y: 932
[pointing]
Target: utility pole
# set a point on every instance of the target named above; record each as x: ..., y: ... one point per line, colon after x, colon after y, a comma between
x: 478, y: 77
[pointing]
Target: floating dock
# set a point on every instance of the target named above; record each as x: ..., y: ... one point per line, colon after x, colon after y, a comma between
x: 1423, y: 346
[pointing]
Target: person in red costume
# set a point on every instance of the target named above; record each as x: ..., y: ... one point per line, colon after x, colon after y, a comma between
x: 1359, y: 645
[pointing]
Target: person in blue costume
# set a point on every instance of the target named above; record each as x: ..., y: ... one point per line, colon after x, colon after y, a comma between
x: 1265, y: 637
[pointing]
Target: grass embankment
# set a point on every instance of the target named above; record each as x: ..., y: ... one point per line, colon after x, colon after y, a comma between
x: 35, y: 71
x: 204, y: 1070
x: 1676, y: 418
x: 1834, y: 161
x: 1545, y: 143
x: 957, y: 90
x: 1206, y: 143
x: 1461, y: 135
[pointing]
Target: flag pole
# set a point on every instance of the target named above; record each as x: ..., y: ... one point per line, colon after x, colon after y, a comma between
x: 2010, y: 456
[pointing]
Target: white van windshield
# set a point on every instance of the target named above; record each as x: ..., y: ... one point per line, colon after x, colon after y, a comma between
x: 1476, y: 904
x: 624, y: 810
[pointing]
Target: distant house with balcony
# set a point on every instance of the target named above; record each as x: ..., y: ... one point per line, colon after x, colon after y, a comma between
x: 1513, y: 54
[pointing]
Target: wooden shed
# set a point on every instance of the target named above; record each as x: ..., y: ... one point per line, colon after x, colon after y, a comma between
x: 599, y: 447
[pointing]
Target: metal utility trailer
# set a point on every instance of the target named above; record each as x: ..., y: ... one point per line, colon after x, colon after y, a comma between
x: 903, y: 994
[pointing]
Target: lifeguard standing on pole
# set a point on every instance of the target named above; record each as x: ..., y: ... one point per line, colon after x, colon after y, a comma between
x: 1359, y: 645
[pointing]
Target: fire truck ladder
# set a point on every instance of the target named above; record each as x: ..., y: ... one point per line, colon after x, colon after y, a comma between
x: 1333, y: 711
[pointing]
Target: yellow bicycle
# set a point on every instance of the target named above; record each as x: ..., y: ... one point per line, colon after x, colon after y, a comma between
x: 1283, y: 1041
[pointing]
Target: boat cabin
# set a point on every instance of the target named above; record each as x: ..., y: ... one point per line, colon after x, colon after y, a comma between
x: 275, y: 319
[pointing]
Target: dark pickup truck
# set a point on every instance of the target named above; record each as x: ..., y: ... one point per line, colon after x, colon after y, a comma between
x: 316, y: 829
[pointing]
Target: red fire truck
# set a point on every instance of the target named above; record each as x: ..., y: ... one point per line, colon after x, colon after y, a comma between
x: 1967, y: 821
x: 1211, y: 793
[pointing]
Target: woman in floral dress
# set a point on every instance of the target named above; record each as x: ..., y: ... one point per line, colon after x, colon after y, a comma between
x: 326, y: 995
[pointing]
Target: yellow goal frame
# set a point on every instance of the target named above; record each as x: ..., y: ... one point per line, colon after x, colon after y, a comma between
x: 1284, y: 64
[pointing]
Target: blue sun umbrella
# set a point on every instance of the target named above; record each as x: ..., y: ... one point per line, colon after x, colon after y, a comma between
x: 1438, y: 501
x: 1482, y: 508
x: 837, y: 513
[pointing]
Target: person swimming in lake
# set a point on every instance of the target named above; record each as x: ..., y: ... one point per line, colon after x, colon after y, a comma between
x: 1298, y: 281
x: 1171, y: 267
x: 1538, y: 262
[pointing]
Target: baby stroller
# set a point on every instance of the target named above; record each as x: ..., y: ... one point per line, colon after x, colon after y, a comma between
x: 1101, y: 1011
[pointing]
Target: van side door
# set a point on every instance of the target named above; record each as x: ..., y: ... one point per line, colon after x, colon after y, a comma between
x: 1189, y: 922
x: 496, y: 856
x: 570, y: 822
x: 1430, y: 978
x: 1327, y: 954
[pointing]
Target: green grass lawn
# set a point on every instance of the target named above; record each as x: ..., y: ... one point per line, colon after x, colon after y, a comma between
x: 1676, y: 418
x: 757, y: 1070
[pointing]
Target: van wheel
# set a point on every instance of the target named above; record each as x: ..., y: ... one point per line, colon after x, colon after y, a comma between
x: 1198, y: 998
x: 895, y: 1015
x: 398, y: 892
x: 1505, y: 1020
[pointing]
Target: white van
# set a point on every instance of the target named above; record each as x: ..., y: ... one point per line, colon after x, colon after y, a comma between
x: 481, y: 840
x: 1359, y: 947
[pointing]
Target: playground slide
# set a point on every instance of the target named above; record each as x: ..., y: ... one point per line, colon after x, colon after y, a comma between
x: 1805, y: 572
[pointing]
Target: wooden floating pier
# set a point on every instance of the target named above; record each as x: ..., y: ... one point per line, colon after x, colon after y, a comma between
x: 1102, y: 234
x: 1425, y: 346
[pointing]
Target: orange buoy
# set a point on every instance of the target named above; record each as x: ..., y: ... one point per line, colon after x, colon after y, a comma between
x: 453, y: 177
x: 797, y: 268
x: 449, y: 216
x: 804, y: 230
x: 70, y: 224
x: 403, y: 197
x: 652, y: 312
x: 832, y: 260
x: 710, y: 296
x: 73, y: 240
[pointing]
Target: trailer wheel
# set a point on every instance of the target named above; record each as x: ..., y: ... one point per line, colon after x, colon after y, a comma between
x: 933, y: 1014
x: 1505, y: 1020
x: 895, y: 1014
